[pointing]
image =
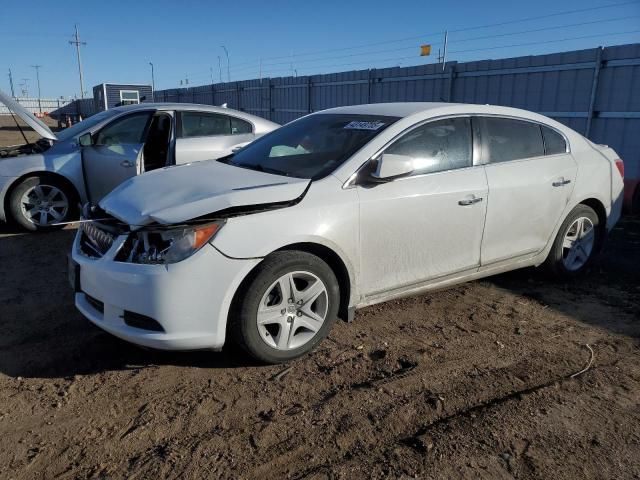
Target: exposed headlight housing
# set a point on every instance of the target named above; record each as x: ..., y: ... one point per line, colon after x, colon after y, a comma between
x: 166, y: 246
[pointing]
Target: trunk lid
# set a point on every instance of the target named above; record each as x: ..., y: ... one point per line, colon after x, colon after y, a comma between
x: 177, y: 194
x: 39, y: 126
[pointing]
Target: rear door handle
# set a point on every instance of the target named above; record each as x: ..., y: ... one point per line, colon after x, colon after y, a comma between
x: 561, y: 182
x: 469, y: 201
x: 126, y: 163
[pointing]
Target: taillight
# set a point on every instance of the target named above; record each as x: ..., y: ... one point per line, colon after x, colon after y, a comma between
x: 620, y: 165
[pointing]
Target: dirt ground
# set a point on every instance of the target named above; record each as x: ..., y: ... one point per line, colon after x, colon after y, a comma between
x: 10, y: 133
x: 471, y: 382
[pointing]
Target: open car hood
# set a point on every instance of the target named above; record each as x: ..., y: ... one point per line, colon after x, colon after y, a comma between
x: 178, y: 194
x: 27, y: 117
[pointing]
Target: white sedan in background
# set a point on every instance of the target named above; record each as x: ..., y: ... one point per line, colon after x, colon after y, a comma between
x: 42, y: 183
x: 340, y: 209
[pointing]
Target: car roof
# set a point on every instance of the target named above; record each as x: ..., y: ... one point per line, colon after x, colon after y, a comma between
x: 190, y: 106
x: 397, y: 109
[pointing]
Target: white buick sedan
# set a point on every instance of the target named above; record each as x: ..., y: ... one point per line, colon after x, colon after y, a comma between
x: 335, y: 211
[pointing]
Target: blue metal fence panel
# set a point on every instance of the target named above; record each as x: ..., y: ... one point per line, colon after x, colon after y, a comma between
x: 594, y: 91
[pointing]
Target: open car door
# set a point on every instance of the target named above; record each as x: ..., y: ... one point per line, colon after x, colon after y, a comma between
x: 115, y: 154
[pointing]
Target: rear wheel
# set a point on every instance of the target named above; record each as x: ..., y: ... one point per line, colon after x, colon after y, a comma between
x: 287, y: 307
x: 40, y: 203
x: 576, y: 244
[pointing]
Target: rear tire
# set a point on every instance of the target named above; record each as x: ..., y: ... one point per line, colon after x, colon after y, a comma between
x: 286, y: 307
x: 577, y: 243
x: 39, y: 202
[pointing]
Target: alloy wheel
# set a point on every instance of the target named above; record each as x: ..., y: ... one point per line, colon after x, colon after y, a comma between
x: 292, y: 310
x: 44, y: 205
x: 578, y: 244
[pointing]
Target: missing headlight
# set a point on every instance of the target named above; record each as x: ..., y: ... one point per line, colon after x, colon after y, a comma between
x: 166, y: 246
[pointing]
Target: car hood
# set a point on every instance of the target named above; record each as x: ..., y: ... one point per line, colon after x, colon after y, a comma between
x: 181, y: 193
x: 27, y: 117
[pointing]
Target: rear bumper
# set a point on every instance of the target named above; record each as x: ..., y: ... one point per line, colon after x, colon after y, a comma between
x: 190, y: 300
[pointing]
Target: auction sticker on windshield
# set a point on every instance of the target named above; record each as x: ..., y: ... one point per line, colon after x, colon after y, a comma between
x: 355, y: 125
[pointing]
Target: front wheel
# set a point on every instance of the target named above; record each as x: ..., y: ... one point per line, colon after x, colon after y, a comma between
x: 41, y: 203
x: 287, y: 307
x: 576, y: 244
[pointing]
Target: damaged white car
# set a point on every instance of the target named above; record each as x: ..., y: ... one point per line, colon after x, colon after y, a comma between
x: 42, y: 183
x: 338, y: 210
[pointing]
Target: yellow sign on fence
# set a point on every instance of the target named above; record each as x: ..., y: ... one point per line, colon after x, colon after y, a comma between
x: 425, y: 50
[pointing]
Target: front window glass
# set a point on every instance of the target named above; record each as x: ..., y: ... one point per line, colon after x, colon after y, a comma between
x: 124, y: 131
x: 311, y: 147
x: 437, y: 146
x: 84, y: 125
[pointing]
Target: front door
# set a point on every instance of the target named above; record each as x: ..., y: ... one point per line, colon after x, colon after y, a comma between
x: 529, y: 187
x: 429, y: 224
x: 115, y: 155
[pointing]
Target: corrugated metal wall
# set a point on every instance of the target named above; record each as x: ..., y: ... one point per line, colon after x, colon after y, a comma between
x: 594, y: 91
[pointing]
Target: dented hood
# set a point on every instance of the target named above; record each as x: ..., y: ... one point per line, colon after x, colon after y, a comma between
x: 177, y: 194
x: 28, y: 117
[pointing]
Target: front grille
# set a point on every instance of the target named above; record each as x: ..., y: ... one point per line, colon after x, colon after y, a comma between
x: 94, y: 241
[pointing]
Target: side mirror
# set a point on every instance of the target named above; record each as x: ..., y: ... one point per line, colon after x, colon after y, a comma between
x: 392, y: 166
x: 85, y: 140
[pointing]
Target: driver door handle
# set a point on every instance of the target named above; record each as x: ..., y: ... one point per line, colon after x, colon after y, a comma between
x: 469, y: 201
x: 126, y: 164
x: 561, y: 182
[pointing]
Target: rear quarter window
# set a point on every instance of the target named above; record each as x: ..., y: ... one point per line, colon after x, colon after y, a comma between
x: 554, y: 143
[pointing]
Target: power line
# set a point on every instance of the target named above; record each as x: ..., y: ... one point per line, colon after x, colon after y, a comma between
x: 437, y: 43
x: 498, y: 24
x: 413, y: 57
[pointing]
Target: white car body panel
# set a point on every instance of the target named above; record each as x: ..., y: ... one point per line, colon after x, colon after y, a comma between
x: 399, y: 238
x: 194, y: 190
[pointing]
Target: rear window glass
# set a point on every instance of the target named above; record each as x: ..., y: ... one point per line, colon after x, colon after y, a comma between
x: 196, y: 124
x: 508, y: 139
x: 553, y: 142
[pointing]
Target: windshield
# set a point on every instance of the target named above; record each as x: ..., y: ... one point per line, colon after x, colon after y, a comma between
x: 311, y: 147
x: 79, y: 127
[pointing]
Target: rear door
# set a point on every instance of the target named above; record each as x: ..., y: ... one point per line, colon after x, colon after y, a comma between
x: 115, y: 154
x: 530, y: 182
x: 209, y: 135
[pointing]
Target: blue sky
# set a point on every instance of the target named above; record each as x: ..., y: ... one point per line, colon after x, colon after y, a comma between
x: 183, y: 39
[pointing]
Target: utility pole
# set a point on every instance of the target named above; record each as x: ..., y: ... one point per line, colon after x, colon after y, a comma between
x: 444, y: 52
x: 220, y: 67
x: 76, y: 41
x: 153, y: 84
x: 227, y: 53
x: 13, y: 94
x: 211, y: 74
x: 24, y: 87
x: 37, y: 67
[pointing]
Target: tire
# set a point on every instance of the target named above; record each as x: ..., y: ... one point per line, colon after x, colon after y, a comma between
x: 576, y: 244
x: 57, y: 203
x: 271, y: 328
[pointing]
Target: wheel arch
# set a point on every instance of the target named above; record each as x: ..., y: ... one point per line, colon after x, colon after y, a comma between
x: 42, y: 174
x: 601, y: 211
x: 332, y: 258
